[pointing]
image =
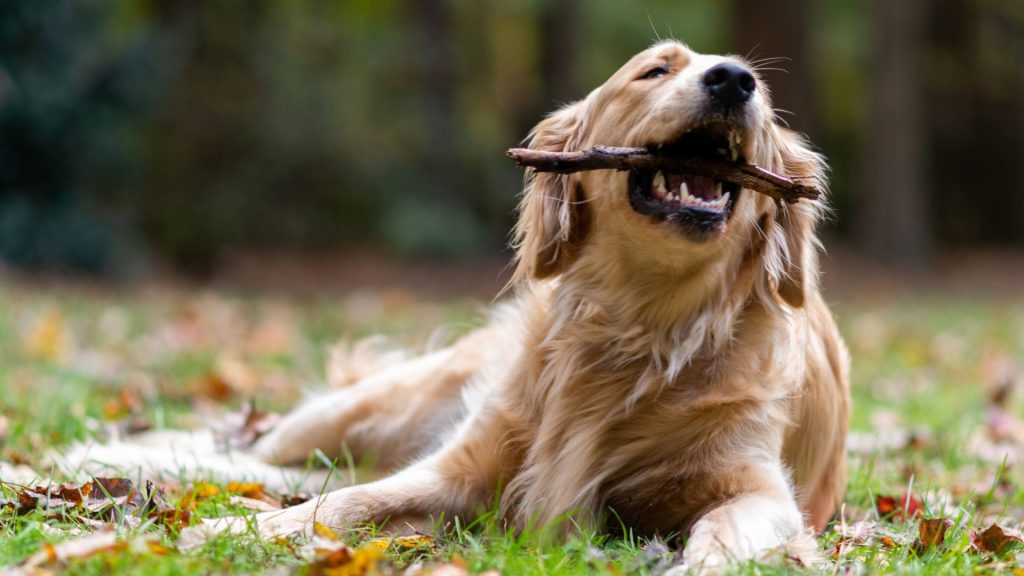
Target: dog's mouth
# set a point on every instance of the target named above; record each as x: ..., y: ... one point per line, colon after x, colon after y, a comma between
x: 698, y: 205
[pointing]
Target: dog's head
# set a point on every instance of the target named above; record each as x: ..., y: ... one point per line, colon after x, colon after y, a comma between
x: 701, y: 105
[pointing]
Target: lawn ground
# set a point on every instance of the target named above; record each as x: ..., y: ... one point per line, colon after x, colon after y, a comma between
x: 934, y: 456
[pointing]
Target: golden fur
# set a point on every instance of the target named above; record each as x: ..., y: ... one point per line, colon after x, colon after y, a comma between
x: 697, y: 387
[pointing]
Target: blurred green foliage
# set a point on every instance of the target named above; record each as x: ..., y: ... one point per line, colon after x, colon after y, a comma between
x: 187, y: 129
x: 73, y: 80
x: 277, y: 124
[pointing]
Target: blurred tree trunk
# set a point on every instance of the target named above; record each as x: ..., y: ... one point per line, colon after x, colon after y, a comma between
x: 976, y: 90
x: 781, y: 29
x: 432, y: 23
x: 894, y: 222
x: 561, y: 37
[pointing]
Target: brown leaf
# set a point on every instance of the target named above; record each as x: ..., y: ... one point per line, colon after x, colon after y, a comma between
x: 997, y: 540
x: 908, y: 506
x: 126, y: 403
x: 114, y: 499
x: 289, y: 500
x: 211, y: 385
x: 1003, y: 375
x: 240, y: 429
x: 931, y: 532
x: 53, y: 497
x: 18, y: 458
x: 172, y: 519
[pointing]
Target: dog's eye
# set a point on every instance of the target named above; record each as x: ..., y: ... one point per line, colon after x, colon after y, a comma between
x: 656, y: 72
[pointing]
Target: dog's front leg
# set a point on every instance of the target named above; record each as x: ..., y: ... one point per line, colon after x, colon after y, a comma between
x: 763, y: 515
x: 460, y: 479
x: 404, y: 503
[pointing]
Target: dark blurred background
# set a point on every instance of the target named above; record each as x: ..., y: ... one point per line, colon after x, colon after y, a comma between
x: 141, y: 135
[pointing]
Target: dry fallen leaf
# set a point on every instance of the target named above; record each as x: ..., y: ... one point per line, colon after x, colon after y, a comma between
x: 415, y: 541
x: 248, y: 489
x: 289, y: 500
x: 932, y: 532
x: 908, y: 506
x: 76, y: 548
x: 997, y: 540
x: 57, y: 555
x: 199, y: 491
x: 239, y: 376
x: 240, y: 429
x: 55, y: 497
x: 107, y: 500
x: 47, y: 339
x: 343, y: 561
x: 127, y: 403
x: 324, y: 532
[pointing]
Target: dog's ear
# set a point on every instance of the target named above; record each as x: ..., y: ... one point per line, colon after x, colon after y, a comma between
x: 799, y: 256
x: 552, y: 219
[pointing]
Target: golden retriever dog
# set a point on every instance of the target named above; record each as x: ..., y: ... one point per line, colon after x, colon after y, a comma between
x: 666, y: 360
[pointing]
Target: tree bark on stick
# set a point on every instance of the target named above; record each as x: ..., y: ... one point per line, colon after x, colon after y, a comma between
x: 748, y: 176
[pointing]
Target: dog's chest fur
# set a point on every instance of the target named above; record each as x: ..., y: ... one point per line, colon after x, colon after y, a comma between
x: 616, y: 424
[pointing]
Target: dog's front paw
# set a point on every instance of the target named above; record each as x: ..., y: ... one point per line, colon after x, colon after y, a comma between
x: 298, y: 520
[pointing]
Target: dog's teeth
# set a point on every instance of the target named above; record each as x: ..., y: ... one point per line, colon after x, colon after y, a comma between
x: 718, y: 190
x: 721, y: 202
x: 684, y: 191
x: 659, y: 184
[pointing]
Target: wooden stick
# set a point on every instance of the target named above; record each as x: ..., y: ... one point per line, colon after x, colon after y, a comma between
x: 608, y: 158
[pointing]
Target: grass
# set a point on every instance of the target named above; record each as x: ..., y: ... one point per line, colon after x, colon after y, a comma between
x: 77, y: 362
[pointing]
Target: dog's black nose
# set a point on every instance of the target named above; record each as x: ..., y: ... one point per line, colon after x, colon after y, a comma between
x: 730, y: 84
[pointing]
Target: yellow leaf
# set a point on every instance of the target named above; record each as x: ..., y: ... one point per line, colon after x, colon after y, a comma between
x: 205, y: 490
x: 413, y: 541
x: 199, y: 491
x: 401, y: 541
x: 345, y: 562
x: 47, y: 339
x: 247, y: 489
x: 379, y: 543
x: 324, y: 531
